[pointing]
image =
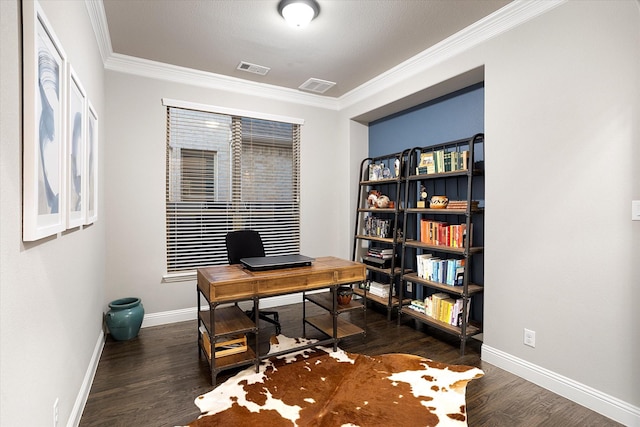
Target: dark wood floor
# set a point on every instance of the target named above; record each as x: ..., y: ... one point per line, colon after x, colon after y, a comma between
x: 153, y: 379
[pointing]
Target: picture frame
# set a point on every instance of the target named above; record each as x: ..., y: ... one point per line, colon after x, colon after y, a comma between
x: 76, y: 147
x: 44, y: 126
x: 91, y: 166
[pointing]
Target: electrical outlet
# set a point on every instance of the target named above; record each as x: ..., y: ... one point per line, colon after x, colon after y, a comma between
x: 55, y: 413
x: 529, y: 337
x: 635, y: 210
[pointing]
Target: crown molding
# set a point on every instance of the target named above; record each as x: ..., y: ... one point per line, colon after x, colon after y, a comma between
x: 100, y: 28
x: 177, y: 74
x: 499, y: 22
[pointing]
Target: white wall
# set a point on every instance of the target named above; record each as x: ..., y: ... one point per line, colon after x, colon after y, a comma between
x: 562, y: 98
x: 135, y: 167
x: 51, y: 291
x: 564, y: 144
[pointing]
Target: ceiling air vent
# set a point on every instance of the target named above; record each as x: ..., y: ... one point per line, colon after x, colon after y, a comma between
x: 317, y: 85
x: 253, y: 68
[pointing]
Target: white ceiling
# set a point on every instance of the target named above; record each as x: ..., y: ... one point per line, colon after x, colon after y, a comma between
x: 350, y: 42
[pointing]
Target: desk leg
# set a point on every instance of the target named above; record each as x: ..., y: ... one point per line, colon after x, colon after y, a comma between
x: 256, y: 316
x: 304, y: 315
x: 198, y: 328
x: 212, y: 366
x: 334, y: 291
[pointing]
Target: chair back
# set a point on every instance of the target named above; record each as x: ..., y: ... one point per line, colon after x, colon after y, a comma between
x: 243, y: 244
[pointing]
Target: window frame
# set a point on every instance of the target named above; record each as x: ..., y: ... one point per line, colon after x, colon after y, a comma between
x: 182, y: 275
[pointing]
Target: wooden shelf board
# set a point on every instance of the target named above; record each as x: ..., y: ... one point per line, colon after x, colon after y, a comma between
x: 381, y: 181
x: 324, y: 322
x: 417, y: 244
x: 239, y: 359
x: 371, y: 297
x: 325, y: 300
x: 461, y: 172
x: 444, y: 211
x: 379, y: 300
x: 458, y: 290
x: 471, y: 330
x: 388, y: 240
x: 229, y: 320
x: 387, y: 271
x: 380, y: 210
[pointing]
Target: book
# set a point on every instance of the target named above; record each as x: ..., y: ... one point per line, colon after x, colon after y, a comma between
x: 377, y: 250
x: 426, y: 164
x: 377, y: 261
x: 379, y: 289
x: 464, y: 160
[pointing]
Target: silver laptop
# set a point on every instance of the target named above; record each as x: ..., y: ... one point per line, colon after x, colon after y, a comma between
x: 276, y: 261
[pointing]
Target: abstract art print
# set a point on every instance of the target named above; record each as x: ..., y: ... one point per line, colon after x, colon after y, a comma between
x: 44, y: 127
x: 91, y: 165
x: 76, y: 146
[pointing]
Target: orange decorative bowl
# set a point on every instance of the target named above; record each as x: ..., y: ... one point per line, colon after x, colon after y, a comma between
x: 439, y: 202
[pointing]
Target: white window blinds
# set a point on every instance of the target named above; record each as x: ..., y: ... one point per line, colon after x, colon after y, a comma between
x: 226, y: 173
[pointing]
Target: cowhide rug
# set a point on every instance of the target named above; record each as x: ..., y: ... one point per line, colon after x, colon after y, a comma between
x: 319, y: 387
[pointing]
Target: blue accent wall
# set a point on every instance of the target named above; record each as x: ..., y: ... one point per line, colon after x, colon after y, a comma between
x: 455, y: 116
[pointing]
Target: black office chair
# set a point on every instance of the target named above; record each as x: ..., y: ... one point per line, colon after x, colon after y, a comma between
x: 247, y: 244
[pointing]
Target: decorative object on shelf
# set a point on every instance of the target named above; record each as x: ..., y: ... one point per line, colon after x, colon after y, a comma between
x: 423, y: 197
x: 396, y: 165
x: 344, y: 295
x: 125, y: 318
x: 375, y: 172
x: 383, y: 202
x: 373, y: 198
x: 377, y: 200
x: 439, y: 202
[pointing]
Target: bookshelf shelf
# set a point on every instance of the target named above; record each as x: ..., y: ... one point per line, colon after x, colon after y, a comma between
x: 470, y: 330
x: 442, y: 248
x: 377, y: 239
x: 457, y: 290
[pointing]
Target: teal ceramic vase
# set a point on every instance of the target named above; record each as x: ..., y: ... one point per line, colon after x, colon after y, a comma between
x: 124, y: 318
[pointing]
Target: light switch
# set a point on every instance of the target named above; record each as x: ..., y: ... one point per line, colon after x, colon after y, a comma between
x: 635, y: 210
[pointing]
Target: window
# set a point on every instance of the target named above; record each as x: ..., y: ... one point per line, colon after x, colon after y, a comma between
x: 227, y: 172
x: 197, y: 174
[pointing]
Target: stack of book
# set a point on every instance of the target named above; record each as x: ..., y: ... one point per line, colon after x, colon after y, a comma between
x: 379, y: 289
x: 462, y: 204
x: 379, y: 257
x: 382, y: 253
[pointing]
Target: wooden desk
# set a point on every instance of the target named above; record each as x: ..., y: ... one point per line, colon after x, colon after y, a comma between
x: 233, y: 283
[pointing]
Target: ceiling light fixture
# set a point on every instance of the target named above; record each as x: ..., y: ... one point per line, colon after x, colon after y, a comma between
x: 298, y: 13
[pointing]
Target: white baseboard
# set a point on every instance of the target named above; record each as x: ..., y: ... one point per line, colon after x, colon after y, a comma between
x: 185, y: 314
x: 584, y: 395
x: 83, y: 393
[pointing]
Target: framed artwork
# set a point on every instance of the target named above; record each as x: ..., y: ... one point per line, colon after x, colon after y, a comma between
x: 76, y: 147
x: 44, y: 86
x: 91, y: 165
